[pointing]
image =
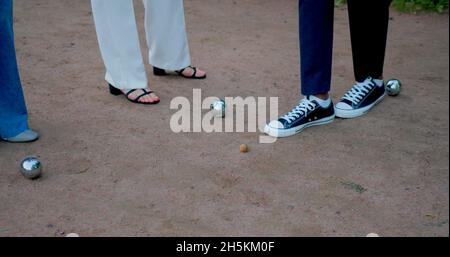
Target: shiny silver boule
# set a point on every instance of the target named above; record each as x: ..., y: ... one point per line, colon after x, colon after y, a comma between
x: 218, y: 108
x: 393, y: 87
x: 31, y: 167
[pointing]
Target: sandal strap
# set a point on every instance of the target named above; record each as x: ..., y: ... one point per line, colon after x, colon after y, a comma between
x: 130, y: 92
x: 195, y: 72
x: 180, y: 72
x: 140, y: 96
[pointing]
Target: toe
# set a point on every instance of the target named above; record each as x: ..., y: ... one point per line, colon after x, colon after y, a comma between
x: 276, y: 124
x: 154, y: 97
x: 201, y: 73
x: 343, y: 106
x: 188, y: 72
x: 146, y: 99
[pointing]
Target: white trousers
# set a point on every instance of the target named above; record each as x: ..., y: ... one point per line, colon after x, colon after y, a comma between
x: 118, y: 38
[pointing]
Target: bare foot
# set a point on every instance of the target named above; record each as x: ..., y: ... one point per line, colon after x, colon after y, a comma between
x: 189, y: 72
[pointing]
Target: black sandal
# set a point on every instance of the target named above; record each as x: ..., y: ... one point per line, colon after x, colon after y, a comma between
x: 161, y: 72
x: 115, y: 91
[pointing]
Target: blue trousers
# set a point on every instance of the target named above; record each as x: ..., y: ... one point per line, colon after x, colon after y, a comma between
x: 13, y: 111
x: 316, y: 45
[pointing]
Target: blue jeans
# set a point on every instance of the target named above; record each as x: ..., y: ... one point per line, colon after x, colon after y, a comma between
x: 13, y: 111
x: 316, y: 45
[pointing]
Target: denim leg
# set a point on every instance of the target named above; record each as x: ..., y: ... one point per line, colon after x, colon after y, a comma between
x: 13, y: 111
x: 316, y: 19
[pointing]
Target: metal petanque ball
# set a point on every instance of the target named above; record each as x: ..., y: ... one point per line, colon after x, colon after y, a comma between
x: 218, y: 108
x: 393, y: 87
x: 31, y: 167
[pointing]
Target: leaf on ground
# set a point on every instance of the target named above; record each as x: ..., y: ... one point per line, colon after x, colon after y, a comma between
x: 354, y: 187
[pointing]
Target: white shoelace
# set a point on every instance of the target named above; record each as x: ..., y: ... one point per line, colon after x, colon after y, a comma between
x: 359, y: 91
x: 301, y: 109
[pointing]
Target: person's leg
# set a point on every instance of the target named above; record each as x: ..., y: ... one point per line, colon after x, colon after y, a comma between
x: 316, y: 49
x: 13, y: 111
x: 316, y: 19
x: 368, y: 28
x: 118, y: 39
x: 166, y: 36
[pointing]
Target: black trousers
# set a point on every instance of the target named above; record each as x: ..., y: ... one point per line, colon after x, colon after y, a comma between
x: 368, y: 28
x: 369, y: 21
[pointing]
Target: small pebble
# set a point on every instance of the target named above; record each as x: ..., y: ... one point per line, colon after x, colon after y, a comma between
x: 72, y: 235
x: 373, y: 235
x: 243, y: 148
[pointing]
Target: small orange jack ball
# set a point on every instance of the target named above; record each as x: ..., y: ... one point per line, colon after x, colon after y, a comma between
x: 243, y: 148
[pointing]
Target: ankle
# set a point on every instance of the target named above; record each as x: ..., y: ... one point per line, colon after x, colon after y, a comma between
x: 324, y: 100
x: 323, y: 96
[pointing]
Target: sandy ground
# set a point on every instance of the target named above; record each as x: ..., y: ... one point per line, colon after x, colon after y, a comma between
x: 116, y: 169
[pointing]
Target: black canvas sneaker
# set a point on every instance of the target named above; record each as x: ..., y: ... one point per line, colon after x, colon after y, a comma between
x: 360, y: 99
x: 307, y: 113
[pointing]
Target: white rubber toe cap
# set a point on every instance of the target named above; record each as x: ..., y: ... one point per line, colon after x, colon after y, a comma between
x: 276, y: 124
x: 343, y: 106
x: 24, y: 137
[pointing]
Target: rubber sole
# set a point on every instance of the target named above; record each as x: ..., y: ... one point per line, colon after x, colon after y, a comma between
x: 279, y: 133
x: 350, y: 114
